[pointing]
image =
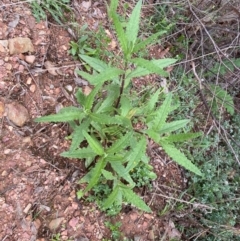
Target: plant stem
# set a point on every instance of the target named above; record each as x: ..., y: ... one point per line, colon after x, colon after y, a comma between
x: 122, y: 85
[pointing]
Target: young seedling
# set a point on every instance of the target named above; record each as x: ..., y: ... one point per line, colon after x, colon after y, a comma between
x: 103, y: 131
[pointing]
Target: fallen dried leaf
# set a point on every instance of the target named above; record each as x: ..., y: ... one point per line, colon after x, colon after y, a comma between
x: 50, y: 68
x: 14, y: 23
x: 86, y: 5
x: 55, y: 223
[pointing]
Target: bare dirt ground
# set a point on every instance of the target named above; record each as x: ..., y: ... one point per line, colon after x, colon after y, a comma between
x: 37, y: 186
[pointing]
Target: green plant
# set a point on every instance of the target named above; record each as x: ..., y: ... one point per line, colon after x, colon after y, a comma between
x: 53, y: 7
x: 91, y: 43
x: 114, y: 228
x: 104, y: 133
x: 57, y: 237
x: 143, y: 175
x: 219, y: 188
x: 220, y: 99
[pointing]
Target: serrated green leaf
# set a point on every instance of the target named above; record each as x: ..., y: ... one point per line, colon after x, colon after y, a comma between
x: 81, y: 98
x: 65, y: 114
x: 114, y: 130
x: 161, y: 114
x: 85, y: 75
x: 94, y: 144
x: 163, y: 63
x: 99, y: 129
x: 153, y: 135
x: 89, y: 161
x: 173, y: 126
x: 95, y: 174
x: 77, y: 136
x: 122, y: 172
x: 95, y: 63
x: 152, y: 102
x: 223, y: 98
x: 112, y: 94
x: 120, y: 33
x: 140, y: 71
x: 111, y: 198
x: 90, y: 98
x: 72, y: 124
x: 108, y: 74
x: 179, y: 157
x: 108, y: 175
x: 150, y: 66
x: 136, y: 154
x: 125, y: 106
x: 182, y: 137
x: 79, y: 153
x: 112, y: 8
x: 134, y: 199
x: 105, y: 119
x: 125, y: 121
x: 87, y: 177
x: 116, y: 158
x: 120, y: 144
x: 150, y: 40
x: 133, y: 24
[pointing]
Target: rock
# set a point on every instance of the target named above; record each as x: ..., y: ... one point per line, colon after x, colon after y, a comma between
x: 55, y: 224
x: 147, y: 216
x: 29, y: 80
x: 26, y: 139
x: 4, y: 173
x: 2, y: 108
x: 69, y: 88
x: 32, y: 88
x: 82, y: 239
x: 30, y: 59
x: 8, y: 66
x: 4, y: 45
x: 151, y: 235
x: 137, y: 238
x: 73, y: 223
x: 17, y: 113
x: 133, y: 216
x: 7, y: 151
x: 2, y: 84
x: 27, y: 208
x: 20, y: 45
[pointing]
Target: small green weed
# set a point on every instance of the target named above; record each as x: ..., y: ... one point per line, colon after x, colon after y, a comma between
x: 219, y: 186
x: 57, y: 237
x: 91, y: 43
x: 114, y: 228
x: 104, y: 134
x: 143, y: 175
x: 55, y: 8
